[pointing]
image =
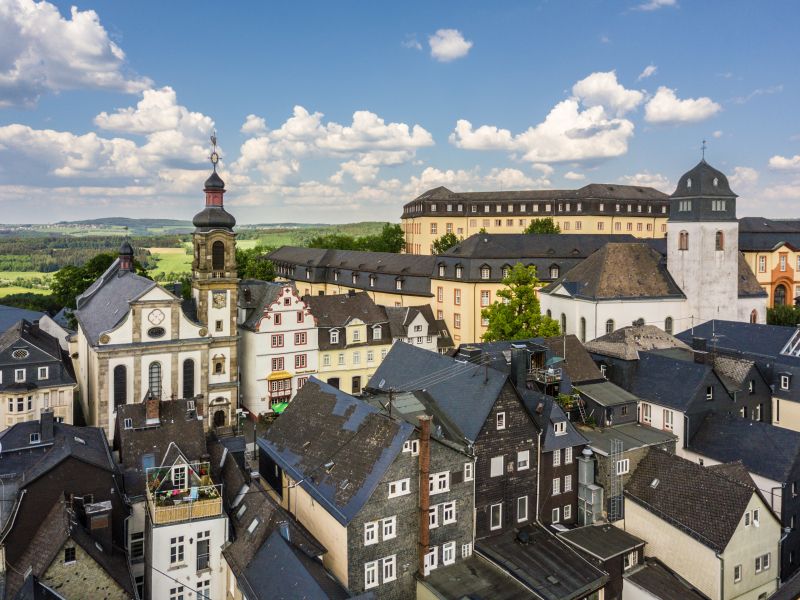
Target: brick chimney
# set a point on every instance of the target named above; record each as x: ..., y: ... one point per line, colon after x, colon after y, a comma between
x: 46, y: 425
x: 152, y: 409
x: 424, y: 491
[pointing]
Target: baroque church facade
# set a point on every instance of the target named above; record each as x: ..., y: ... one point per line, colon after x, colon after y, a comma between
x: 137, y: 339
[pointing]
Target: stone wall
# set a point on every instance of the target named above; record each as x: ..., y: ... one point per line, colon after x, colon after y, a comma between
x: 83, y: 578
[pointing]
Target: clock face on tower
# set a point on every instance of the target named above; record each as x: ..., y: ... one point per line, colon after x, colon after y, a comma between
x: 219, y: 299
x: 156, y: 317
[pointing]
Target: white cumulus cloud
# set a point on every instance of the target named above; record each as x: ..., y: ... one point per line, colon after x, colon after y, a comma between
x: 448, y: 44
x: 665, y: 108
x: 41, y: 51
x: 647, y: 179
x: 603, y: 89
x: 783, y: 163
x: 743, y: 177
x: 254, y: 125
x: 573, y: 176
x: 651, y: 5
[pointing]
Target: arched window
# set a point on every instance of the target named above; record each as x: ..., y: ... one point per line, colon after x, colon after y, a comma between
x: 780, y: 295
x: 218, y: 256
x: 120, y: 385
x: 583, y: 329
x: 610, y: 326
x: 549, y: 314
x: 563, y: 324
x: 720, y: 240
x: 188, y: 378
x: 668, y: 325
x: 754, y: 316
x: 155, y: 379
x: 219, y: 364
x: 553, y: 271
x: 683, y: 240
x: 486, y: 272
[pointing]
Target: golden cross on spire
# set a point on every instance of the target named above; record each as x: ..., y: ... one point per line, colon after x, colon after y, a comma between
x: 214, y: 155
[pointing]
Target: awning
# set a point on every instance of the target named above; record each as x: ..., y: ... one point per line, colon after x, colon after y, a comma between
x: 280, y: 407
x: 275, y: 375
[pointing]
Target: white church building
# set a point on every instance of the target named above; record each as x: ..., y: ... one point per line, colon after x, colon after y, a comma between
x: 700, y: 275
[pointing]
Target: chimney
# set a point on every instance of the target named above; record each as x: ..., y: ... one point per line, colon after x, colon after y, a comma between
x: 152, y: 410
x: 424, y: 490
x: 520, y: 363
x: 98, y: 523
x: 699, y: 343
x: 46, y: 425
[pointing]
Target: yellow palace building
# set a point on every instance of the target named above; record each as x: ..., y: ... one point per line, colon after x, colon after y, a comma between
x: 597, y: 208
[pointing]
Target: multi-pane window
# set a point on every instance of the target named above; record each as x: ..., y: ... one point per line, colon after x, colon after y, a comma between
x: 501, y: 420
x: 468, y: 473
x: 371, y: 574
x: 136, y: 547
x: 176, y: 550
x: 449, y: 553
x: 300, y: 338
x: 300, y: 361
x: 623, y: 466
x: 433, y: 517
x: 334, y: 336
x: 120, y: 385
x: 370, y: 533
x: 204, y: 589
x: 155, y: 379
x: 457, y: 297
x: 556, y: 486
x: 389, y: 528
x: 486, y: 296
x: 466, y: 550
x: 522, y: 509
x: 179, y: 477
x: 277, y: 340
x: 176, y: 593
x: 203, y: 554
x: 440, y: 293
x: 523, y: 460
x: 390, y: 568
x: 277, y: 363
x: 556, y: 458
x: 439, y: 482
x: 448, y: 513
x: 457, y: 320
x: 567, y: 483
x: 69, y: 555
x: 567, y: 511
x: 19, y: 375
x: 568, y: 455
x: 762, y: 562
x: 399, y: 488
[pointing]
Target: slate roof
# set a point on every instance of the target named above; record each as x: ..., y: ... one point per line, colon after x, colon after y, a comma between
x: 709, y: 510
x: 9, y: 315
x: 607, y: 394
x: 603, y: 541
x: 262, y: 295
x: 106, y: 302
x: 43, y: 350
x: 591, y: 190
x: 632, y: 436
x: 577, y: 363
x: 337, y: 310
x: 545, y: 417
x: 668, y: 381
x: 356, y: 260
x: 661, y: 582
x: 764, y: 225
x: 279, y: 571
x: 45, y: 545
x: 26, y: 331
x: 751, y: 339
x: 733, y: 372
x: 627, y: 342
x: 516, y: 246
x: 747, y: 281
x: 763, y: 449
x: 619, y: 271
x: 757, y: 234
x: 401, y: 317
x: 702, y: 177
x: 177, y: 425
x: 547, y: 565
x: 463, y: 393
x: 323, y: 424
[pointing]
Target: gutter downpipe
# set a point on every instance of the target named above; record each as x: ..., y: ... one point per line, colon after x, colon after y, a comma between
x: 721, y: 575
x: 538, y: 471
x: 424, y: 492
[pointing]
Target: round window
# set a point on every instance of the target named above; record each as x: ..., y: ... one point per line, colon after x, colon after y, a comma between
x: 156, y: 332
x: 20, y: 354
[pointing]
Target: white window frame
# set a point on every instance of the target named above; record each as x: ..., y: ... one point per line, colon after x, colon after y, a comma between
x: 466, y: 550
x: 433, y: 516
x: 560, y: 428
x: 556, y: 486
x: 567, y: 483
x: 522, y: 515
x: 568, y: 455
x: 501, y: 420
x: 401, y: 487
x: 389, y: 568
x: 555, y: 515
x: 431, y: 560
x: 370, y: 533
x: 756, y: 517
x: 623, y: 466
x: 630, y: 560
x: 371, y: 574
x: 499, y: 508
x: 468, y: 472
x: 334, y: 335
x: 43, y: 372
x: 557, y: 458
x: 449, y: 512
x: 389, y: 528
x: 567, y: 512
x: 523, y: 460
x: 19, y: 375
x: 439, y: 483
x: 737, y: 573
x: 784, y: 382
x: 448, y: 553
x: 496, y: 466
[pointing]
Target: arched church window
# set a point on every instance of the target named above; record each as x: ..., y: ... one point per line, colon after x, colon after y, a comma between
x: 754, y: 316
x: 188, y: 378
x: 120, y: 385
x: 218, y: 256
x: 720, y: 240
x: 668, y: 325
x: 610, y: 326
x: 154, y: 373
x: 683, y: 240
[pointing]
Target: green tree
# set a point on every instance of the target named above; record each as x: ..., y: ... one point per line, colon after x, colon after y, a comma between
x: 253, y: 264
x: 334, y: 241
x: 543, y: 225
x: 71, y: 281
x: 518, y: 315
x: 783, y: 315
x: 390, y: 239
x: 444, y: 243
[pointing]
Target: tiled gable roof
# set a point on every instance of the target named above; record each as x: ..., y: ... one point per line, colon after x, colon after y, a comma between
x: 339, y: 309
x: 627, y: 342
x: 323, y: 425
x: 702, y: 503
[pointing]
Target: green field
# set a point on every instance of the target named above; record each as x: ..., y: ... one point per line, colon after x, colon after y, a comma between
x: 171, y: 260
x: 13, y: 289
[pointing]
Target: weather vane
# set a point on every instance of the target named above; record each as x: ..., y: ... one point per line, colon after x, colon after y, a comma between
x: 214, y: 156
x: 703, y: 147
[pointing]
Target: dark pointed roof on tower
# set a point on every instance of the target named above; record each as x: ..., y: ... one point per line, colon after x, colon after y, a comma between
x: 126, y: 249
x: 214, y: 216
x: 214, y: 182
x: 703, y: 181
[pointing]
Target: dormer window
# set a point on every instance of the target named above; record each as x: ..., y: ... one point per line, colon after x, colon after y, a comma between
x: 398, y: 284
x: 689, y: 183
x: 459, y: 270
x: 377, y: 332
x: 685, y: 205
x: 554, y: 272
x: 715, y: 182
x: 560, y: 428
x: 336, y: 275
x: 334, y: 336
x: 441, y: 270
x: 486, y: 272
x: 718, y: 205
x: 506, y: 271
x: 35, y: 438
x: 308, y: 273
x: 785, y: 382
x: 372, y: 281
x: 354, y: 278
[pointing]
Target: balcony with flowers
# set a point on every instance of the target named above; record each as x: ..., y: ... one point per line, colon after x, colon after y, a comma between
x: 182, y: 492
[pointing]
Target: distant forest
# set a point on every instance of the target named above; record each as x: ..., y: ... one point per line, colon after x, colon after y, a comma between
x: 49, y: 254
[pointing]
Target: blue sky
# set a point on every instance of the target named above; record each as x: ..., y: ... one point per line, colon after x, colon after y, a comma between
x: 336, y: 112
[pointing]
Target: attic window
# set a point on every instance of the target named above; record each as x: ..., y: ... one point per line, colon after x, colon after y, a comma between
x: 253, y: 524
x: 654, y: 483
x: 560, y: 428
x: 128, y: 423
x: 716, y: 182
x: 689, y: 182
x: 35, y: 438
x: 20, y: 354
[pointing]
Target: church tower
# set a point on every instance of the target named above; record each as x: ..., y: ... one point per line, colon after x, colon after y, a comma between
x: 215, y: 290
x: 703, y: 244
